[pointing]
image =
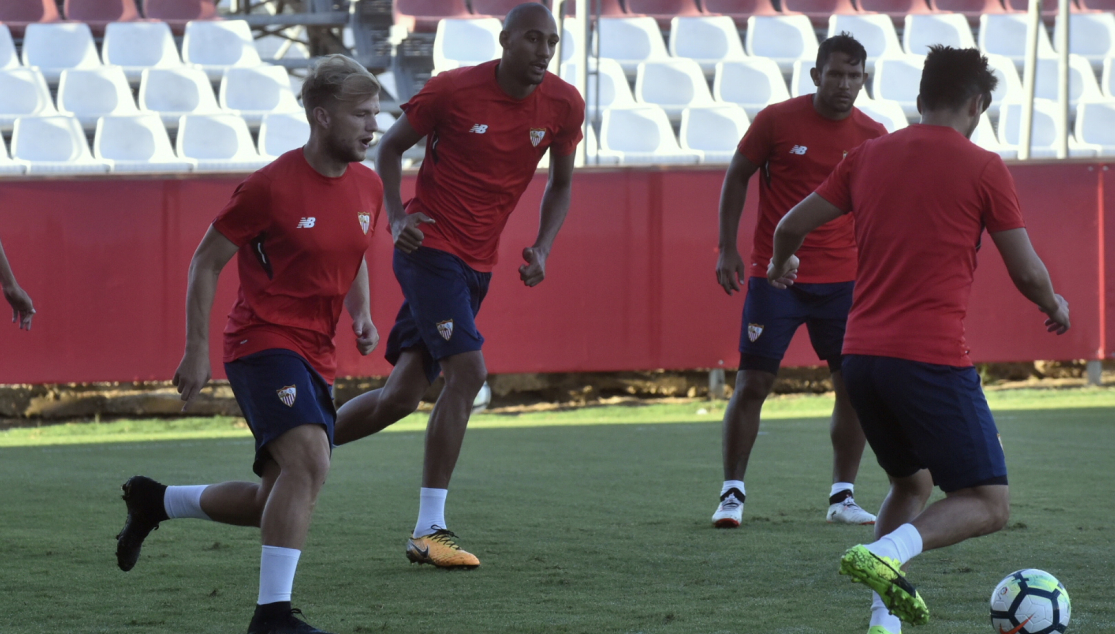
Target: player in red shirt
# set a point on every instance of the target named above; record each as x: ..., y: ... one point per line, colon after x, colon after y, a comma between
x: 796, y: 143
x: 301, y: 226
x: 921, y: 198
x: 22, y: 309
x: 487, y: 126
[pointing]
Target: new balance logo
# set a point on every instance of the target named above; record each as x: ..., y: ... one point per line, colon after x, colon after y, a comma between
x: 306, y: 223
x: 799, y: 150
x: 479, y: 128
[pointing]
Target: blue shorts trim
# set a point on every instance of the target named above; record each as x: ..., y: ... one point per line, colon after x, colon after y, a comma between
x: 925, y: 416
x: 772, y: 315
x: 262, y: 384
x: 442, y: 298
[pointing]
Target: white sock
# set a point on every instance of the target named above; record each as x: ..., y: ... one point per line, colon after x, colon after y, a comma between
x: 880, y: 615
x: 277, y: 566
x: 903, y: 544
x: 837, y: 487
x: 184, y: 502
x: 431, y: 511
x: 733, y: 484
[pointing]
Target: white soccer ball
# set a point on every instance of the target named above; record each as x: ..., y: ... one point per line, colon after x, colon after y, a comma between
x: 483, y: 399
x: 1030, y: 602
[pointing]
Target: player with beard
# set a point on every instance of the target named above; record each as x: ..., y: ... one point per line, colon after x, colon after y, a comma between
x: 301, y: 226
x: 487, y: 127
x: 796, y: 144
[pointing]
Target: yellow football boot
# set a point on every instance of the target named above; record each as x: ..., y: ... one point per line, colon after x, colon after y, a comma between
x: 440, y: 549
x: 884, y: 575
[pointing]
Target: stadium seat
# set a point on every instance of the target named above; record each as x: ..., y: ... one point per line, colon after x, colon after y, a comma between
x: 254, y: 92
x: 631, y: 41
x: 641, y: 135
x: 708, y: 40
x: 1092, y: 35
x: 100, y: 13
x: 56, y: 47
x: 9, y: 58
x: 219, y: 45
x: 663, y: 11
x: 714, y: 131
x: 178, y: 13
x: 136, y: 143
x: 92, y: 93
x: 9, y: 167
x: 135, y: 46
x: 614, y: 90
x: 282, y: 132
x: 466, y: 43
x: 572, y: 38
x: 1097, y: 5
x: 496, y: 8
x: 423, y: 15
x: 896, y: 10
x: 672, y: 85
x: 1047, y: 128
x: 1009, y: 87
x: 23, y: 93
x: 1048, y: 9
x: 898, y: 79
x: 593, y: 154
x: 218, y: 143
x: 783, y: 38
x: 1108, y: 83
x: 175, y: 92
x: 739, y: 10
x: 1095, y: 125
x: 753, y: 84
x: 875, y: 32
x: 950, y: 29
x: 887, y: 112
x: 1005, y: 34
x: 17, y: 14
x: 53, y: 145
x: 970, y: 9
x: 819, y: 11
x: 984, y: 136
x: 1082, y: 81
x: 801, y: 82
x: 608, y: 8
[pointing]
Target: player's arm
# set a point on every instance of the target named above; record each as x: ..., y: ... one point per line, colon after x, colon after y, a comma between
x: 22, y: 310
x: 1031, y: 278
x: 806, y: 216
x: 358, y: 304
x: 555, y: 206
x: 730, y: 269
x: 405, y: 232
x: 211, y: 256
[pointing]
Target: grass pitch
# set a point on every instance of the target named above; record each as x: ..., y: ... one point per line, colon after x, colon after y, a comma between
x: 595, y: 520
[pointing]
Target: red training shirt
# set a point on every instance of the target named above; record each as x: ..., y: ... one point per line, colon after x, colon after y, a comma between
x: 796, y: 149
x: 482, y: 149
x: 922, y: 197
x: 302, y: 237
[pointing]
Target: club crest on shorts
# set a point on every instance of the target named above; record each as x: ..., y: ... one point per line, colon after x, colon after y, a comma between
x: 287, y: 395
x: 536, y: 135
x: 445, y: 329
x: 365, y: 219
x: 753, y: 331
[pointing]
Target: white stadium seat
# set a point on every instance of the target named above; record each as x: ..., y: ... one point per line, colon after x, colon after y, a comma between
x: 714, y: 131
x: 466, y: 42
x: 9, y: 167
x: 53, y: 144
x: 254, y: 92
x: 923, y: 29
x: 801, y: 82
x: 1082, y: 81
x: 136, y: 143
x: 58, y: 46
x: 887, y: 112
x: 1095, y: 125
x: 1047, y: 129
x: 1092, y: 35
x: 898, y: 79
x: 672, y: 85
x: 1009, y: 87
x: 753, y: 84
x: 1005, y: 34
x: 135, y: 46
x: 640, y: 135
x: 706, y: 39
x: 595, y: 156
x: 875, y: 31
x: 92, y: 93
x: 984, y: 136
x: 783, y: 38
x: 8, y: 56
x: 215, y: 46
x: 282, y: 132
x: 23, y: 93
x: 631, y: 41
x: 572, y: 39
x: 174, y: 92
x: 614, y: 89
x: 218, y: 143
x: 1109, y: 77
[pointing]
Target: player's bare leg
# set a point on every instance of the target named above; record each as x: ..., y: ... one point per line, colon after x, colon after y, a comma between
x: 302, y: 455
x: 964, y: 514
x: 376, y: 410
x: 848, y: 442
x: 741, y: 428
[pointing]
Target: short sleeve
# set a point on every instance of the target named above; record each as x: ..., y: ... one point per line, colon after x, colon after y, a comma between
x: 758, y: 142
x: 837, y: 188
x: 425, y: 109
x: 569, y: 134
x: 1001, y: 210
x: 247, y: 214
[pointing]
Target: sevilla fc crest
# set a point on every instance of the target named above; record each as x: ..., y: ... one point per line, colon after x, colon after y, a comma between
x: 536, y: 135
x: 753, y: 331
x: 445, y: 329
x: 365, y: 219
x: 287, y: 395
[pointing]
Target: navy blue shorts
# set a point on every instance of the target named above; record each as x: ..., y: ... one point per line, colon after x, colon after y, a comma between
x: 772, y: 315
x: 925, y: 416
x: 442, y: 297
x: 278, y: 390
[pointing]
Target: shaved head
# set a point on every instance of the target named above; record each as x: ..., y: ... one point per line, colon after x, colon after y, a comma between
x: 526, y: 16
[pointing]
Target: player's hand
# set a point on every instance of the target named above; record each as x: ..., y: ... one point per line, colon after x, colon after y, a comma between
x: 22, y: 310
x: 192, y: 375
x: 1058, y: 320
x: 367, y: 337
x: 406, y: 232
x: 730, y: 270
x: 534, y: 271
x: 784, y: 277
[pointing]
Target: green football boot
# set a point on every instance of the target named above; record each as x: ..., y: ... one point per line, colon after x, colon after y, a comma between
x: 884, y: 576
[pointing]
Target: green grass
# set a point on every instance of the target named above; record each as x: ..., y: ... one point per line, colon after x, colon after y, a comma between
x: 588, y: 521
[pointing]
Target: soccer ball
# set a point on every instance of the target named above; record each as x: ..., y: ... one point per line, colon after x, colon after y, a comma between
x: 1030, y: 602
x: 483, y: 399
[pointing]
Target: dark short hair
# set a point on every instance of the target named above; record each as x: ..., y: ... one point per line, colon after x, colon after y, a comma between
x: 843, y: 43
x: 952, y: 76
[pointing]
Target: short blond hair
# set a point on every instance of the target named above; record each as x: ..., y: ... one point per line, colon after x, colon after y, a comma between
x: 336, y: 77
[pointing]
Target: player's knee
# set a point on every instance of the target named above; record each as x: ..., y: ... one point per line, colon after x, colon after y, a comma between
x: 398, y: 404
x: 467, y: 380
x: 998, y: 513
x: 754, y: 387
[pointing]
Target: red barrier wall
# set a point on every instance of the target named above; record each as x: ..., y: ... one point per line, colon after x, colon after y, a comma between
x: 630, y: 282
